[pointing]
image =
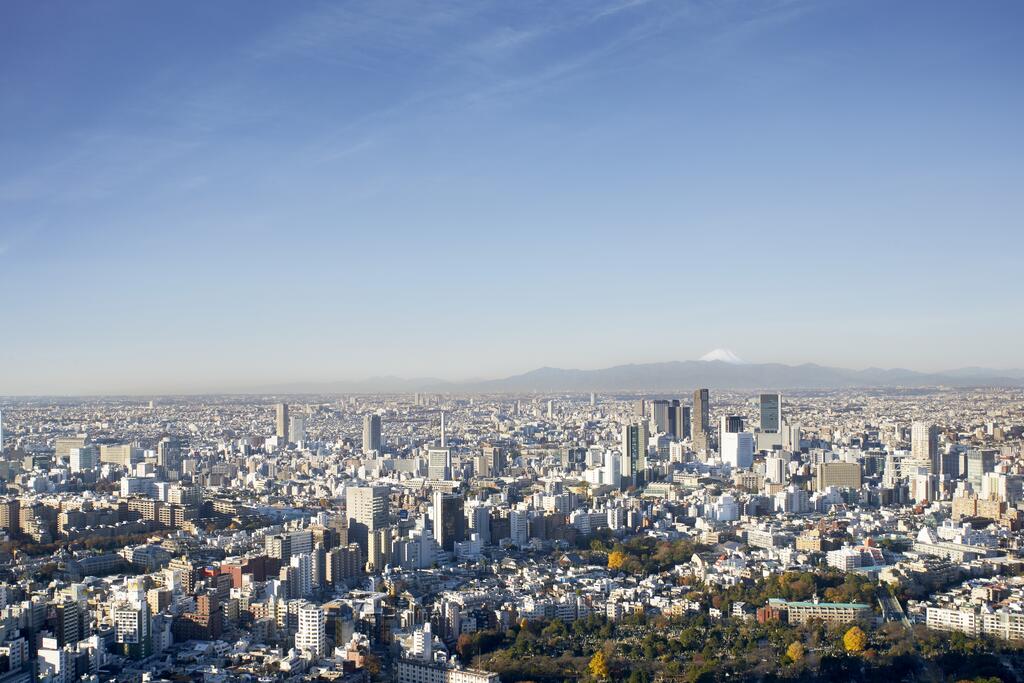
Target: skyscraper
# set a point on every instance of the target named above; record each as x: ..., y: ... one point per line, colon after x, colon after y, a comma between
x: 700, y: 418
x: 634, y: 453
x: 683, y: 422
x: 439, y: 464
x: 771, y: 413
x: 731, y: 424
x: 979, y: 463
x: 775, y: 469
x: 282, y: 421
x: 924, y: 445
x: 371, y: 433
x: 297, y: 428
x: 449, y: 519
x: 660, y: 416
x: 738, y: 449
x: 367, y: 509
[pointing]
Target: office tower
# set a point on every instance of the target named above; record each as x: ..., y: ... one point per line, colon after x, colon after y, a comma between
x: 924, y: 444
x: 444, y: 437
x: 439, y: 464
x: 478, y: 517
x: 611, y: 470
x: 775, y: 469
x: 494, y: 456
x: 168, y: 453
x: 297, y: 428
x: 519, y: 527
x: 700, y: 419
x: 367, y: 509
x: 282, y: 421
x: 771, y: 413
x: 666, y: 417
x: 979, y: 463
x: 1, y: 431
x: 947, y: 464
x: 678, y: 420
x: 83, y: 459
x: 634, y: 453
x: 890, y: 473
x: 845, y: 475
x: 449, y: 520
x: 792, y: 435
x: 738, y: 449
x: 684, y: 423
x: 62, y: 447
x: 551, y: 409
x: 310, y: 638
x: 593, y: 399
x: 124, y: 455
x: 730, y: 424
x: 371, y: 433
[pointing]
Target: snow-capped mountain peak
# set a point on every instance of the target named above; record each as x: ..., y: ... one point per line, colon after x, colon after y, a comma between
x: 724, y: 355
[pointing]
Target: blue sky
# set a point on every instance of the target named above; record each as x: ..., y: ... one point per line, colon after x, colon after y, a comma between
x: 196, y: 196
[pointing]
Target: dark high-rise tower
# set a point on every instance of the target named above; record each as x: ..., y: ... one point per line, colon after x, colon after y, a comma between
x: 371, y: 433
x: 701, y: 418
x: 771, y: 413
x: 449, y: 519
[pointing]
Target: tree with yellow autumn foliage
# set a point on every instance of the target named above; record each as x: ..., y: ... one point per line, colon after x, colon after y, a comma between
x: 855, y: 640
x: 598, y: 667
x: 795, y: 651
x: 616, y: 559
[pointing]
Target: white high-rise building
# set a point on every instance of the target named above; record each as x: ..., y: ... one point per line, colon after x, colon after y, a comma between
x: 611, y: 471
x: 775, y: 469
x: 84, y: 458
x: 311, y: 637
x: 422, y: 643
x: 303, y: 564
x: 924, y: 445
x: 519, y: 524
x: 738, y: 449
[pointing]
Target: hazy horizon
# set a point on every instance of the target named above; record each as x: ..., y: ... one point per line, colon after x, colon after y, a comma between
x: 284, y: 385
x: 238, y: 193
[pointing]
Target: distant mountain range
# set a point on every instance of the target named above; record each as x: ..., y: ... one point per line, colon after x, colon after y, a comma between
x: 674, y: 376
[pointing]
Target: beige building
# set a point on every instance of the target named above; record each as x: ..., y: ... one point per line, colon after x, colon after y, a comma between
x: 840, y: 474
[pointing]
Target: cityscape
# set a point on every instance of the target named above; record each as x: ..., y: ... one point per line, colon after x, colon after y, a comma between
x: 428, y: 537
x: 482, y: 341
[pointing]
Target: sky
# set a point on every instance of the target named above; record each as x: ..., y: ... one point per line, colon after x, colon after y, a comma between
x: 207, y: 196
